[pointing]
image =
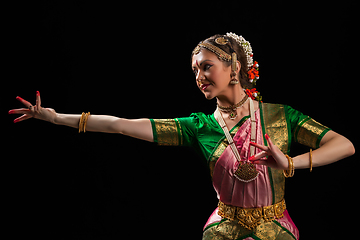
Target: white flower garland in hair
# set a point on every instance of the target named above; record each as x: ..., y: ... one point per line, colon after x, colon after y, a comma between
x: 245, y: 45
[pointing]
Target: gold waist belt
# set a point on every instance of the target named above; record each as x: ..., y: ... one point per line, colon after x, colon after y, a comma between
x: 251, y: 217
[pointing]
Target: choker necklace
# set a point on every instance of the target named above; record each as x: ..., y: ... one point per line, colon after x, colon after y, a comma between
x: 232, y: 108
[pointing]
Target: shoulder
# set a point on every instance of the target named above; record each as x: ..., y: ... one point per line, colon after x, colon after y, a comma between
x: 275, y: 111
x: 278, y: 107
x: 200, y: 116
x: 273, y: 108
x: 272, y: 105
x: 199, y: 120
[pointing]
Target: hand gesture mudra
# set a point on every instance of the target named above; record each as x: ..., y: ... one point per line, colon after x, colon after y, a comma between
x: 34, y: 111
x: 275, y: 158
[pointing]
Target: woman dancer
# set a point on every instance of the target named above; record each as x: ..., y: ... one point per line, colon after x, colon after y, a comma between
x: 245, y: 141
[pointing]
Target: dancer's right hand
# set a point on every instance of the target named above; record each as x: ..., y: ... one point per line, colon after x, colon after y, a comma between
x: 38, y: 112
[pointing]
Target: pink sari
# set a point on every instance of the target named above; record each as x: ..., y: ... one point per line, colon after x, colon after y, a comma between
x: 231, y: 191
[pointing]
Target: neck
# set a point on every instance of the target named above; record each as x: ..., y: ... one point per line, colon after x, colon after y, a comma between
x: 232, y: 96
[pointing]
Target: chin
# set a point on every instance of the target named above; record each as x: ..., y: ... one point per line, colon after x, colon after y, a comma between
x: 209, y: 96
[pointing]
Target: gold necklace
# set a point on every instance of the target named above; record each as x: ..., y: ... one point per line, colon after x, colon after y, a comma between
x: 232, y: 108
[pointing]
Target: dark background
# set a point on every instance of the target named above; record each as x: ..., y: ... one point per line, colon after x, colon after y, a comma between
x: 132, y: 60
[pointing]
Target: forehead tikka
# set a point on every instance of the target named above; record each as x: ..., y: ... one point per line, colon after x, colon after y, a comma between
x: 221, y: 40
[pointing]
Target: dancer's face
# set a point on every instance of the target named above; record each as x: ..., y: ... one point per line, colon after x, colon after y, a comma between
x: 212, y: 75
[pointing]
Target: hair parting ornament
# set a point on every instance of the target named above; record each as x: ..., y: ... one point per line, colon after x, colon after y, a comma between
x: 253, y: 67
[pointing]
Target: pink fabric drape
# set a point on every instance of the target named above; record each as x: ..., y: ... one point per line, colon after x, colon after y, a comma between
x: 229, y: 189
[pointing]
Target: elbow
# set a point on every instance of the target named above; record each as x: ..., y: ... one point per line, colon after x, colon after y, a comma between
x: 351, y: 149
x: 347, y: 146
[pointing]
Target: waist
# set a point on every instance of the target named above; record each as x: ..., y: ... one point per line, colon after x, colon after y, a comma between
x: 250, y: 218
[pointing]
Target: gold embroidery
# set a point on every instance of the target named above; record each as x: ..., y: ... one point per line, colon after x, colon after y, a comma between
x: 215, y: 156
x: 276, y: 127
x: 250, y: 218
x: 308, y: 132
x: 229, y: 229
x: 168, y: 132
x: 267, y: 231
x: 180, y: 133
x: 226, y: 230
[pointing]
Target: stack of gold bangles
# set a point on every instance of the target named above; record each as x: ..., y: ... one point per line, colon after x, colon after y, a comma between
x: 291, y: 171
x: 82, y: 122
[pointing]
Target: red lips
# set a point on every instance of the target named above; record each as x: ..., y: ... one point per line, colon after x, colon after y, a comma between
x: 204, y: 86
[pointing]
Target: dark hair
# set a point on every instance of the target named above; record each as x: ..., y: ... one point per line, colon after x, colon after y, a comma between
x: 241, y: 57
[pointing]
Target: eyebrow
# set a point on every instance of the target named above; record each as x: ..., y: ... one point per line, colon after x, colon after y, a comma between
x: 203, y: 62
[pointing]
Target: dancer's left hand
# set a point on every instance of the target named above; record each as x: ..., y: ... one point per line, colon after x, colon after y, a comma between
x: 34, y: 111
x: 275, y: 158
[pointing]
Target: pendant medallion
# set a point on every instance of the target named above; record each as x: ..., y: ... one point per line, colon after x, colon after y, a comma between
x: 246, y: 172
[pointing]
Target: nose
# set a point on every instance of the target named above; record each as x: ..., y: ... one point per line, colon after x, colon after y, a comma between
x: 199, y: 77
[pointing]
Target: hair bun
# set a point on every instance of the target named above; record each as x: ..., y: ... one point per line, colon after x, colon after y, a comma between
x: 245, y: 45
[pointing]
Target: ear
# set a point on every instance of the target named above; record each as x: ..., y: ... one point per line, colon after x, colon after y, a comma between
x: 238, y: 67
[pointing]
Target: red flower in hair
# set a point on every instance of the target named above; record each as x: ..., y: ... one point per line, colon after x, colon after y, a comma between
x: 253, y: 72
x: 251, y: 75
x: 252, y: 93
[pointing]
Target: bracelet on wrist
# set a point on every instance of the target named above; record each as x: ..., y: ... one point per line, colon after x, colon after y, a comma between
x: 83, y: 121
x: 291, y: 171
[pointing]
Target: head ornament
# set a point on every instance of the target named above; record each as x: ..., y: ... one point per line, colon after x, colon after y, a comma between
x: 218, y: 51
x: 221, y: 40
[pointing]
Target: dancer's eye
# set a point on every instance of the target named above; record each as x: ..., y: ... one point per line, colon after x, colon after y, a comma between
x: 207, y: 66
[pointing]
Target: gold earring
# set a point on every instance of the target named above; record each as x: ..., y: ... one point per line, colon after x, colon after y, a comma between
x: 233, y: 80
x: 233, y: 69
x: 233, y: 61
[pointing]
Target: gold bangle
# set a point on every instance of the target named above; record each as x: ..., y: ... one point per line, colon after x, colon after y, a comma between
x: 291, y: 171
x: 81, y: 122
x: 85, y: 121
x: 311, y: 163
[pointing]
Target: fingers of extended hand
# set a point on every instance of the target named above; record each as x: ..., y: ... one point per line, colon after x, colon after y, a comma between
x: 22, y: 118
x: 38, y: 101
x: 23, y: 101
x: 268, y: 139
x: 258, y: 156
x: 260, y: 162
x: 262, y: 147
x: 20, y: 111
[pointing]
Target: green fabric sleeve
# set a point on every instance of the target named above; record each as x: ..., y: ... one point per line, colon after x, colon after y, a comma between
x: 167, y: 132
x: 304, y: 129
x: 174, y: 132
x: 199, y: 131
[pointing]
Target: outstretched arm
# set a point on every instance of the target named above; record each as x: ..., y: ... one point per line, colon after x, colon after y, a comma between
x: 137, y: 128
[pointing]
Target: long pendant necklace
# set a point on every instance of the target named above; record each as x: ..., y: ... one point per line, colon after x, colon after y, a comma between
x: 245, y: 170
x: 232, y: 108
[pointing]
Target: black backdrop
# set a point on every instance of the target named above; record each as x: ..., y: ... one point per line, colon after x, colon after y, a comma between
x: 133, y: 60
